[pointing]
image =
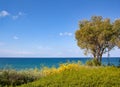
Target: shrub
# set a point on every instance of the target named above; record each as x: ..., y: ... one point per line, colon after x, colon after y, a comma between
x: 13, y: 78
x: 93, y: 62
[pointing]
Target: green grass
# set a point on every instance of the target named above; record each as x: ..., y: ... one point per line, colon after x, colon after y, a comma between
x: 75, y: 75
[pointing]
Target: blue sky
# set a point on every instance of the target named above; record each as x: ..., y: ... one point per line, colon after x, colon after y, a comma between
x: 45, y: 28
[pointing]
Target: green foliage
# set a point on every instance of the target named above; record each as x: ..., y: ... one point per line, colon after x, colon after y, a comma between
x: 93, y: 62
x: 84, y: 76
x: 98, y: 36
x: 10, y: 77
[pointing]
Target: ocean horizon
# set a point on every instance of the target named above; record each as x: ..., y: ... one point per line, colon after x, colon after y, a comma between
x: 20, y: 63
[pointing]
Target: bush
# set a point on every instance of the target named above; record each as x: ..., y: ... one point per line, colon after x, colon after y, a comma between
x: 93, y: 62
x: 13, y: 78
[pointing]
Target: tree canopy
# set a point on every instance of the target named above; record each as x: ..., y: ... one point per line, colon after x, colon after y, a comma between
x: 98, y: 36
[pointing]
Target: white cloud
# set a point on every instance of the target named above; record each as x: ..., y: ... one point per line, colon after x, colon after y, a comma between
x: 21, y: 13
x: 15, y: 37
x: 18, y: 15
x: 61, y: 34
x: 65, y: 34
x: 4, y: 13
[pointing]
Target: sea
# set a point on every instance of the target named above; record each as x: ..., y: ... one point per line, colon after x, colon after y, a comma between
x: 31, y: 63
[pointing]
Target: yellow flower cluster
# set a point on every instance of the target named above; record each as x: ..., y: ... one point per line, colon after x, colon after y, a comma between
x: 67, y: 66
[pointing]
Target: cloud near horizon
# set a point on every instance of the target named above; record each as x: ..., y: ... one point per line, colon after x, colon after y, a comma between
x: 10, y: 53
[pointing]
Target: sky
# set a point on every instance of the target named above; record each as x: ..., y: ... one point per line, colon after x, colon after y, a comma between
x: 46, y: 28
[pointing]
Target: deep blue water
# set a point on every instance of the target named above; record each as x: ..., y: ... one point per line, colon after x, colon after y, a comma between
x: 27, y: 63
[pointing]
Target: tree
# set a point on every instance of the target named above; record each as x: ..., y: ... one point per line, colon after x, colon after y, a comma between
x: 98, y: 36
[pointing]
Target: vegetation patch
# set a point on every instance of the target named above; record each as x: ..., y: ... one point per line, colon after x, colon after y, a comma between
x: 66, y: 75
x: 76, y: 75
x: 10, y: 77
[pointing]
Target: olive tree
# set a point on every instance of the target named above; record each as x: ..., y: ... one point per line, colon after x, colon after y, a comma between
x: 98, y: 36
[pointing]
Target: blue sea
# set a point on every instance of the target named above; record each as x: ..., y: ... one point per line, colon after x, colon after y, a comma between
x: 28, y: 63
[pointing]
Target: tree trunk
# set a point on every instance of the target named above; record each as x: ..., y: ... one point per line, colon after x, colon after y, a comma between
x: 100, y: 59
